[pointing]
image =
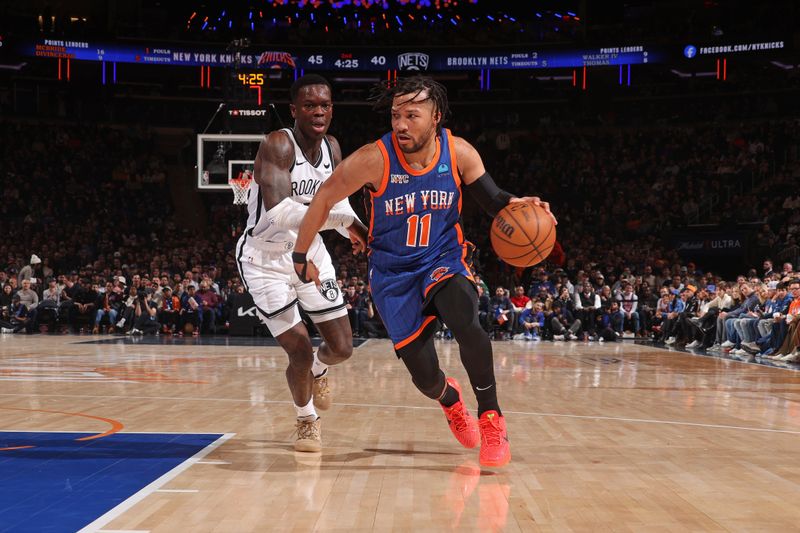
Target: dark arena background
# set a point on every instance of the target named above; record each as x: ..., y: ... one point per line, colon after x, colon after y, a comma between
x: 647, y: 369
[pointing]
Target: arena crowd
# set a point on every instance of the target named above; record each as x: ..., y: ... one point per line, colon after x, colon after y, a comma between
x: 90, y: 241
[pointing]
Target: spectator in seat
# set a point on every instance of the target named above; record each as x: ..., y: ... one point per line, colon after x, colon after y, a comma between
x: 587, y: 305
x: 361, y: 309
x: 5, y: 296
x: 518, y: 301
x: 787, y: 272
x: 732, y: 339
x: 682, y: 330
x: 532, y: 322
x: 563, y: 323
x: 29, y: 299
x: 483, y: 308
x: 767, y: 267
x: 628, y: 308
x: 609, y: 322
x: 746, y: 326
x: 190, y: 310
x: 542, y: 281
x: 771, y: 327
x: 146, y: 312
x: 127, y: 307
x: 648, y: 300
x: 15, y: 316
x: 28, y: 271
x: 351, y: 299
x: 502, y: 312
x: 209, y: 308
x: 670, y: 325
x: 169, y: 314
x: 791, y: 339
x: 108, y: 304
x: 85, y: 303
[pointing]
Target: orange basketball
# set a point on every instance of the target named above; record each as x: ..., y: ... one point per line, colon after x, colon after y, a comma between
x: 523, y: 234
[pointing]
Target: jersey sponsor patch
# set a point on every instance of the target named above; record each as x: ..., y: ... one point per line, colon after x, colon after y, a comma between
x: 329, y: 289
x: 439, y: 273
x: 442, y: 169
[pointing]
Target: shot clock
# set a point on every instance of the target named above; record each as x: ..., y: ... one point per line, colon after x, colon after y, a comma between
x: 249, y: 79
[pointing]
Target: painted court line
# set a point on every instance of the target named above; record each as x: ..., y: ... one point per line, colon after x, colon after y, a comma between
x: 153, y: 486
x: 432, y: 408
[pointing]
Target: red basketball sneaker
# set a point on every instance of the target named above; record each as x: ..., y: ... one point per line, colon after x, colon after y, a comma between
x: 495, y: 450
x: 463, y: 426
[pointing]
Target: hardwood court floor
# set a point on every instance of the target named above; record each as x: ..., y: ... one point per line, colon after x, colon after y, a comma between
x: 618, y: 437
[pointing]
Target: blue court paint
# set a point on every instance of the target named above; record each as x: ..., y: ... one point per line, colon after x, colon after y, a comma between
x: 63, y: 485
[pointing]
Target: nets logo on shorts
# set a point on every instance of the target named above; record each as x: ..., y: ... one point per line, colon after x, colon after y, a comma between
x: 329, y: 289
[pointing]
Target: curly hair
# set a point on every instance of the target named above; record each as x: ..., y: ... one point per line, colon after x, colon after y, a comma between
x: 383, y: 94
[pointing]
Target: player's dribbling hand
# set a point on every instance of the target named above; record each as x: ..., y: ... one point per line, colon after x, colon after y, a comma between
x: 535, y: 200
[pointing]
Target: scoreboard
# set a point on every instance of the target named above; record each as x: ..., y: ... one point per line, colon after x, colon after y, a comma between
x: 456, y: 59
x: 355, y: 59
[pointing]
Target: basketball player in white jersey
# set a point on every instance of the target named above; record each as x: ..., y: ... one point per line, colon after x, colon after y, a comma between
x: 290, y: 167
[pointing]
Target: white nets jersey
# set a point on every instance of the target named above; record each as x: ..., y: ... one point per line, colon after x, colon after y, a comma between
x: 306, y: 176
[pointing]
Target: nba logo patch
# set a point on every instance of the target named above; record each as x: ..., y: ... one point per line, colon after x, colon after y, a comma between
x: 329, y: 289
x: 443, y: 169
x: 439, y: 273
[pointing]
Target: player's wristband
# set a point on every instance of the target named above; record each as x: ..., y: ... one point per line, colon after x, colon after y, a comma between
x: 299, y: 258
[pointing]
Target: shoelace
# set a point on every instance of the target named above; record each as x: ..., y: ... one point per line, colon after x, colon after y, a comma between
x: 457, y: 415
x: 491, y: 432
x: 322, y: 387
x: 307, y: 430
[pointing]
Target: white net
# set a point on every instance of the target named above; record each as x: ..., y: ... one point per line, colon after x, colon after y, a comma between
x: 240, y: 187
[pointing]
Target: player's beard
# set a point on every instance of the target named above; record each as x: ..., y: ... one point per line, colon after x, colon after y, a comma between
x: 417, y: 146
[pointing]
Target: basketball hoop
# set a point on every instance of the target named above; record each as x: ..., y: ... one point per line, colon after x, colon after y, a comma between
x: 240, y: 187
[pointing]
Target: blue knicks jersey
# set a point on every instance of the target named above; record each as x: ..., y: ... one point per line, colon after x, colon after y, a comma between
x: 415, y: 238
x: 415, y: 213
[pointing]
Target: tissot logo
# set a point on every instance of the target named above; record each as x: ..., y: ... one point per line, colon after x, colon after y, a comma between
x: 247, y: 112
x: 412, y: 61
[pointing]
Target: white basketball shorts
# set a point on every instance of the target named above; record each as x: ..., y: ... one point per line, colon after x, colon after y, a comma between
x: 270, y: 279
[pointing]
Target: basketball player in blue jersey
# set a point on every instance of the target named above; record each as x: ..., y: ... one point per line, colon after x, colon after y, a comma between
x: 415, y: 175
x: 290, y: 167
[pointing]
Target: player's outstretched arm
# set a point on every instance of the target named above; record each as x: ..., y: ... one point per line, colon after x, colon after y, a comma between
x: 480, y: 184
x: 363, y: 167
x: 272, y: 172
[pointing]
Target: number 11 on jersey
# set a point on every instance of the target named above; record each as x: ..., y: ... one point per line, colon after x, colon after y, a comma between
x: 418, y: 226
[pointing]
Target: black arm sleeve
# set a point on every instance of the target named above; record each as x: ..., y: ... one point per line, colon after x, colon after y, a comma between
x: 489, y: 196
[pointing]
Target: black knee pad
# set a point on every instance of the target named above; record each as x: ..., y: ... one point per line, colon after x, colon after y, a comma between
x: 457, y: 304
x: 432, y: 386
x: 423, y: 365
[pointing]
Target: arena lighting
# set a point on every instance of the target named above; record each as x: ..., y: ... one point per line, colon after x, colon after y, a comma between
x: 784, y: 66
x: 333, y: 14
x: 18, y: 66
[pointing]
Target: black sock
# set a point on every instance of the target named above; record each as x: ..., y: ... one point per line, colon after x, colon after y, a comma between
x: 450, y: 397
x: 487, y: 400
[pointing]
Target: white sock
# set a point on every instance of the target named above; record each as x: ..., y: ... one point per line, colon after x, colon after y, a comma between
x: 318, y: 368
x: 306, y: 410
